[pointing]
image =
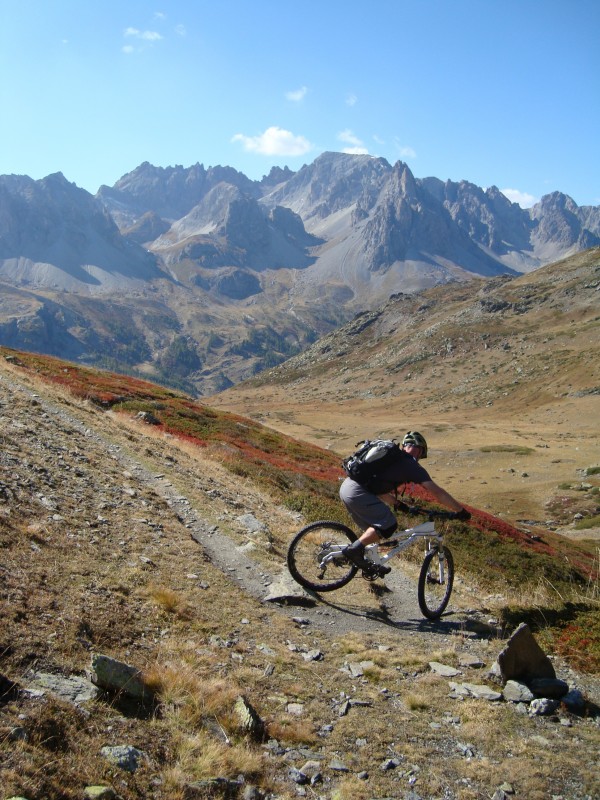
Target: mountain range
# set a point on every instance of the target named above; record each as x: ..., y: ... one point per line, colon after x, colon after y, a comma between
x: 202, y: 277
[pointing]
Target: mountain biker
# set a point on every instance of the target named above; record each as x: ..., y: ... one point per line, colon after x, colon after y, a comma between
x: 369, y: 511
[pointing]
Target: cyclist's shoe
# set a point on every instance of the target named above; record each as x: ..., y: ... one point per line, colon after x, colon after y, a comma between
x: 383, y: 570
x: 357, y: 558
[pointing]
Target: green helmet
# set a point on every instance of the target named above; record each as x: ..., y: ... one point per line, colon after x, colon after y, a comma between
x: 417, y: 439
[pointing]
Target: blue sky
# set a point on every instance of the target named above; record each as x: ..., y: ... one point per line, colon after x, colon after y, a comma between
x: 496, y: 92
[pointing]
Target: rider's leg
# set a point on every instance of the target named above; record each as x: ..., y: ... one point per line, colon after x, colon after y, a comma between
x: 371, y: 514
x: 355, y: 552
x: 370, y: 536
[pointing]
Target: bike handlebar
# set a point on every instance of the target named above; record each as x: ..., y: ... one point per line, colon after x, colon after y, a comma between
x: 427, y: 512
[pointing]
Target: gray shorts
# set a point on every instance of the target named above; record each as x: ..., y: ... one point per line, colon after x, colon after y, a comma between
x: 366, y: 509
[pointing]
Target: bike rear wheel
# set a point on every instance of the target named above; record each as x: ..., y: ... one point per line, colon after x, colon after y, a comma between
x: 309, y: 548
x: 435, y: 582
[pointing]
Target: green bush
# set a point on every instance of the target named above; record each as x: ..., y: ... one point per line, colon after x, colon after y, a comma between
x: 588, y: 522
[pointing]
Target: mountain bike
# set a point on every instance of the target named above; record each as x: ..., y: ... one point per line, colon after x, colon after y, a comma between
x: 316, y: 561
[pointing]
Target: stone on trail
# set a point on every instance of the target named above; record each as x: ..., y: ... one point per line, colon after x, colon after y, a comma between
x: 523, y: 659
x: 285, y: 590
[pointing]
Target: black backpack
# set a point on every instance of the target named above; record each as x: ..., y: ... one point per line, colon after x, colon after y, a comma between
x: 367, y: 463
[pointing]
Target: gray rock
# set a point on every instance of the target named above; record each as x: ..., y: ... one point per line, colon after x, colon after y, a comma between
x: 99, y: 793
x: 355, y: 670
x: 443, y: 669
x: 338, y: 766
x: 516, y: 692
x: 113, y: 675
x: 523, y: 659
x: 125, y: 757
x: 251, y: 523
x: 249, y: 719
x: 458, y: 690
x: 468, y: 660
x: 298, y: 776
x: 311, y: 769
x: 542, y: 707
x: 313, y: 655
x: 71, y: 689
x: 285, y: 590
x: 344, y: 708
x: 480, y: 691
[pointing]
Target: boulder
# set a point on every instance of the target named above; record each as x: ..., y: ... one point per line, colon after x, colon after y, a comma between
x: 523, y: 659
x: 114, y: 676
x: 249, y: 719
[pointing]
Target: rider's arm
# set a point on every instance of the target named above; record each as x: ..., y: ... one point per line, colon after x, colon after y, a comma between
x: 442, y: 496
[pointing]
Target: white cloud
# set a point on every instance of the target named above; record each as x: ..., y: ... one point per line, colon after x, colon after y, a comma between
x: 351, y: 100
x: 524, y: 199
x: 147, y: 36
x: 297, y: 95
x: 349, y: 137
x: 407, y: 152
x: 356, y: 147
x: 180, y: 30
x: 127, y: 49
x: 403, y: 150
x: 274, y: 142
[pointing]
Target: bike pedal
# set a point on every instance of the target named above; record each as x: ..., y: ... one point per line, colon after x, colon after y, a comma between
x: 375, y: 571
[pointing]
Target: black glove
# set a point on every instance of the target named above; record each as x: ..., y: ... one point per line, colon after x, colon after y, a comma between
x: 406, y: 509
x: 463, y: 515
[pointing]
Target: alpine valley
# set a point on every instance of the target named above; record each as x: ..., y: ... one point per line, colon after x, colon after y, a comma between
x: 201, y: 278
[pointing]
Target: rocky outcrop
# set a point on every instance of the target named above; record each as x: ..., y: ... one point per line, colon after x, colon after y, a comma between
x: 562, y: 223
x: 170, y: 192
x: 56, y: 235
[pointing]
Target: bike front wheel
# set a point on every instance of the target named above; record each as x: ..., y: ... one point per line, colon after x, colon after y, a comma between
x: 435, y: 582
x: 314, y: 558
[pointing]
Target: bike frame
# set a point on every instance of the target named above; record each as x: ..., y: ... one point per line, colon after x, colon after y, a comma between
x: 403, y: 540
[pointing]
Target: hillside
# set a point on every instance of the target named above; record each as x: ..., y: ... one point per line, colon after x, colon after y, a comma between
x: 501, y: 376
x: 156, y: 541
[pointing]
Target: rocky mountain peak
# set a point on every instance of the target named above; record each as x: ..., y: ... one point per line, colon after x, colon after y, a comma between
x: 297, y: 253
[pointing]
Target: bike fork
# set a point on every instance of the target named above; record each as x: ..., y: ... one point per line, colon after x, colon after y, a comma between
x: 441, y: 560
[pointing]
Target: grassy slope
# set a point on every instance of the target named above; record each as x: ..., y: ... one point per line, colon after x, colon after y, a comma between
x: 82, y: 583
x: 494, y: 554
